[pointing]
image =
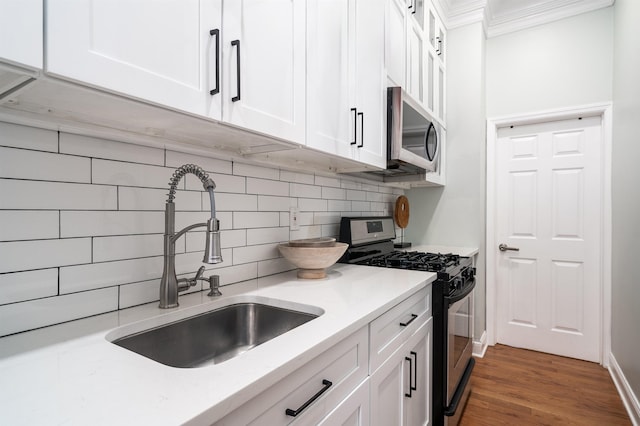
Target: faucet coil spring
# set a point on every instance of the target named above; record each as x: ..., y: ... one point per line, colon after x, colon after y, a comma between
x: 207, y: 182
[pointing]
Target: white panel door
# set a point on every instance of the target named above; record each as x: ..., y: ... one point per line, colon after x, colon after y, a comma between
x: 160, y: 52
x: 264, y: 44
x: 549, y: 201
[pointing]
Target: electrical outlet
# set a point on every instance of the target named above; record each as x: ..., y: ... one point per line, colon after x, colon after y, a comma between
x: 293, y: 219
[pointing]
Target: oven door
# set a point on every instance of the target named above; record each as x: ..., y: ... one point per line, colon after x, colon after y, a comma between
x: 459, y: 352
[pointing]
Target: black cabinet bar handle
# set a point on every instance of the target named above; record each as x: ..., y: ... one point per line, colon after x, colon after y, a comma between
x: 361, y: 114
x: 355, y: 126
x: 293, y: 413
x: 237, y: 44
x: 415, y: 371
x: 413, y: 317
x: 410, y: 374
x: 216, y: 33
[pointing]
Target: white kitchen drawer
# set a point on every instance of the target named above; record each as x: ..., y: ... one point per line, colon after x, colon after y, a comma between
x: 345, y: 365
x: 390, y: 330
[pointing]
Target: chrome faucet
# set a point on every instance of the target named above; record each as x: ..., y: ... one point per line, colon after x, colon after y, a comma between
x: 170, y: 285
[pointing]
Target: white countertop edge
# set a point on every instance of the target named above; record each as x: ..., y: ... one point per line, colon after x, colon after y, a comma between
x: 351, y: 297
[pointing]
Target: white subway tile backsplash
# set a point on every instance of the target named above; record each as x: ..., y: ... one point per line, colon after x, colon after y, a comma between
x: 108, y: 274
x: 43, y: 166
x: 327, y: 181
x: 312, y: 204
x: 224, y: 183
x: 313, y: 231
x: 356, y: 195
x: 274, y: 266
x: 242, y: 169
x: 24, y: 316
x: 28, y: 137
x: 267, y: 187
x: 212, y: 165
x: 33, y: 195
x: 374, y: 196
x: 296, y: 177
x: 103, y: 223
x: 139, y: 293
x: 112, y: 222
x: 130, y: 198
x: 338, y: 206
x: 322, y: 218
x: 307, y: 191
x: 236, y: 273
x: 255, y: 253
x: 267, y: 235
x: 268, y: 203
x: 86, y: 146
x: 21, y: 286
x: 26, y: 255
x: 361, y: 206
x: 255, y: 220
x: 228, y: 239
x: 131, y: 174
x: 29, y: 225
x: 333, y: 193
x: 233, y: 202
x: 127, y: 247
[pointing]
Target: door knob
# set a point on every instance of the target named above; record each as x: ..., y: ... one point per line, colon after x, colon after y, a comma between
x: 504, y: 247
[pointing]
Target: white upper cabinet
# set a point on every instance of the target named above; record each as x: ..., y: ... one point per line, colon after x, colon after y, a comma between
x: 264, y: 66
x: 345, y: 79
x: 21, y: 33
x: 156, y: 51
x: 436, y: 83
x: 187, y: 54
x: 20, y: 43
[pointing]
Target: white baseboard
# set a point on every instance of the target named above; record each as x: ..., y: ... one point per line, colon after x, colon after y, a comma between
x: 480, y: 347
x: 626, y: 393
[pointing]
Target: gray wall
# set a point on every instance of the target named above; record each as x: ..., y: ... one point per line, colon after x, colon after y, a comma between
x: 626, y: 191
x: 455, y: 215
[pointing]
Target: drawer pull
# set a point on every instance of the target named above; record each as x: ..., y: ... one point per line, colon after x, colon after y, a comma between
x: 413, y: 317
x: 293, y: 413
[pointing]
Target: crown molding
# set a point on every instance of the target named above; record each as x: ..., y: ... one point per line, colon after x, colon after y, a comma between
x: 457, y: 13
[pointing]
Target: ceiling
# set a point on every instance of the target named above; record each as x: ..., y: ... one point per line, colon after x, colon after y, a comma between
x: 505, y: 16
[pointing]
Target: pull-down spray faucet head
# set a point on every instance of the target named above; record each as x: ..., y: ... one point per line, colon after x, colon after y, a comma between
x: 212, y: 252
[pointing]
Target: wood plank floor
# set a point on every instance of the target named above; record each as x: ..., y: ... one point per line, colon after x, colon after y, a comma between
x: 513, y: 386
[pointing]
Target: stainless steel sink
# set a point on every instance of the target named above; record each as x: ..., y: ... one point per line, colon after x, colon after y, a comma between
x: 215, y: 336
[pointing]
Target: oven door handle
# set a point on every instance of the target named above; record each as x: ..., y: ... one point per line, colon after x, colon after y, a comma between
x: 471, y: 284
x: 457, y: 396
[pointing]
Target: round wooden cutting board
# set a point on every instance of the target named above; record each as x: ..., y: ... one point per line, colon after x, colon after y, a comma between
x: 401, y: 212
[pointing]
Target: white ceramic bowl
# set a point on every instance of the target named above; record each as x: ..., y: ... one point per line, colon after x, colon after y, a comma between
x: 312, y: 261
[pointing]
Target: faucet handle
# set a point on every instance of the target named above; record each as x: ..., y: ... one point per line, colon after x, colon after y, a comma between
x: 199, y: 274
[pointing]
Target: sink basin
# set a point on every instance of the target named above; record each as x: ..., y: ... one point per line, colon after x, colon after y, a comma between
x: 214, y: 337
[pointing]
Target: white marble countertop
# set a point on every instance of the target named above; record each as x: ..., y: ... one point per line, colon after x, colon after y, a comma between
x: 71, y: 374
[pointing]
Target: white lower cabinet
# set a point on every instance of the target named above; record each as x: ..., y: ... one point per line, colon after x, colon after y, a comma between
x: 401, y: 387
x: 379, y: 375
x: 298, y: 398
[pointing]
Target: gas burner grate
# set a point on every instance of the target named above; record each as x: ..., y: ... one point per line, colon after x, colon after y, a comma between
x: 432, y: 262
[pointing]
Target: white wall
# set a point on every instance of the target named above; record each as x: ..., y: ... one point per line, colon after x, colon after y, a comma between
x: 455, y: 215
x: 82, y: 221
x: 626, y: 192
x: 563, y: 63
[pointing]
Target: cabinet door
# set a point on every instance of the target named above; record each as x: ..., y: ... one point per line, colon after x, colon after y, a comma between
x: 417, y: 407
x: 21, y: 33
x: 370, y: 84
x: 156, y: 51
x: 387, y: 392
x: 415, y: 62
x: 395, y: 38
x: 264, y: 66
x: 330, y: 120
x: 353, y: 411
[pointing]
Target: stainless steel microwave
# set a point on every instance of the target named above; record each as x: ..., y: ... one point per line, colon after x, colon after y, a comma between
x: 413, y: 145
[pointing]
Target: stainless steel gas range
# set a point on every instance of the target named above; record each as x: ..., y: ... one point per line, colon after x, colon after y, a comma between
x: 370, y: 242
